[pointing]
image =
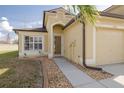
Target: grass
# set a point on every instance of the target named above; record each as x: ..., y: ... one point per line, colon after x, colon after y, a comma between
x: 15, y: 73
x: 8, y: 54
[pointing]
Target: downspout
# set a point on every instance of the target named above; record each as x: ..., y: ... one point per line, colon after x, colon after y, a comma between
x: 84, y: 50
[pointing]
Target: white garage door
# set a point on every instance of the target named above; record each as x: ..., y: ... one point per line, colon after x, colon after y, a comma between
x: 109, y: 46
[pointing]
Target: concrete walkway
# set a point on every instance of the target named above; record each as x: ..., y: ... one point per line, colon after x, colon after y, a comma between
x: 80, y: 79
x: 76, y: 77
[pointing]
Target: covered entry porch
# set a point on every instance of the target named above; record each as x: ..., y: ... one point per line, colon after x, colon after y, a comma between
x: 57, y: 41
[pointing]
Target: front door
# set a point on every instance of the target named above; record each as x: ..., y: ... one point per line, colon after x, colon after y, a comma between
x: 57, y: 45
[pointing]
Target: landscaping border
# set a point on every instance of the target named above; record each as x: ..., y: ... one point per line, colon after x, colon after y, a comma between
x: 45, y: 75
x: 53, y: 76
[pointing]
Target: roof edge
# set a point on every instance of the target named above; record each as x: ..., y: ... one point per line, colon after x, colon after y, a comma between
x: 59, y: 8
x: 44, y: 13
x: 30, y: 29
x: 110, y: 8
x: 101, y: 14
x: 111, y: 15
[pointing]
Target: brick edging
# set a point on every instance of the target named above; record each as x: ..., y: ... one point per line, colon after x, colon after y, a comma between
x: 45, y: 75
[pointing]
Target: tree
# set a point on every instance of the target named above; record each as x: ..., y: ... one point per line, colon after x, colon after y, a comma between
x: 85, y: 14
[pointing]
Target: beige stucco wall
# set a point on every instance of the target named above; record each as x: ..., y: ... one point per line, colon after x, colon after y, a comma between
x: 32, y: 53
x: 117, y: 9
x: 73, y: 42
x: 110, y: 22
x: 57, y: 29
x: 51, y: 19
x: 109, y: 46
x: 109, y: 41
x: 100, y: 47
x: 89, y: 42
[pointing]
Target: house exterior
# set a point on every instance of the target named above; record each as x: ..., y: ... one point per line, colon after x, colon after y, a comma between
x: 61, y: 35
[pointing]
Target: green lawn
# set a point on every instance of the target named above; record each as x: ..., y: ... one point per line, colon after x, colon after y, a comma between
x: 8, y: 54
x: 15, y: 73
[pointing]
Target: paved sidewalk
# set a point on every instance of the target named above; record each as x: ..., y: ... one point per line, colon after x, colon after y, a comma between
x: 81, y: 80
x: 76, y: 77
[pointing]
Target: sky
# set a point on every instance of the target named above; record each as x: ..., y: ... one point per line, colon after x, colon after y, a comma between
x: 24, y: 16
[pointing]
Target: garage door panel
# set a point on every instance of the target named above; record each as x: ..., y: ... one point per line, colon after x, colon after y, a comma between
x: 109, y: 46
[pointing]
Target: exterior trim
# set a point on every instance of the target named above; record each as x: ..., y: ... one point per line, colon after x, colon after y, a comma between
x: 94, y: 45
x: 112, y: 15
x: 90, y: 61
x: 53, y: 11
x: 101, y: 14
x: 109, y: 26
x: 111, y: 8
x: 50, y: 52
x: 69, y: 23
x: 31, y: 29
x: 44, y: 14
x: 30, y: 52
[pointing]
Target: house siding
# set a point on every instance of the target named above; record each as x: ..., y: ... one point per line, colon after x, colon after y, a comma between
x: 73, y: 43
x: 73, y: 35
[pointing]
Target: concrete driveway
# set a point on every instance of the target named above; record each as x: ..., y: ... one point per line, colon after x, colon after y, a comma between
x: 117, y: 81
x: 116, y: 69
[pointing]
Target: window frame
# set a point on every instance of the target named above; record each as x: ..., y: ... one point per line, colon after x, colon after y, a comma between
x: 38, y: 42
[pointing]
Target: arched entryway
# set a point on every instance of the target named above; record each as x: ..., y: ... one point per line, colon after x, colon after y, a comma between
x: 58, y: 40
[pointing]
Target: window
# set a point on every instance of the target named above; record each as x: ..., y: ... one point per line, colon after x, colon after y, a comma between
x: 26, y: 45
x: 33, y: 43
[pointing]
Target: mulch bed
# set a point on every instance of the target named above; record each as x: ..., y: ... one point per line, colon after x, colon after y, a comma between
x: 95, y: 74
x: 56, y: 78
